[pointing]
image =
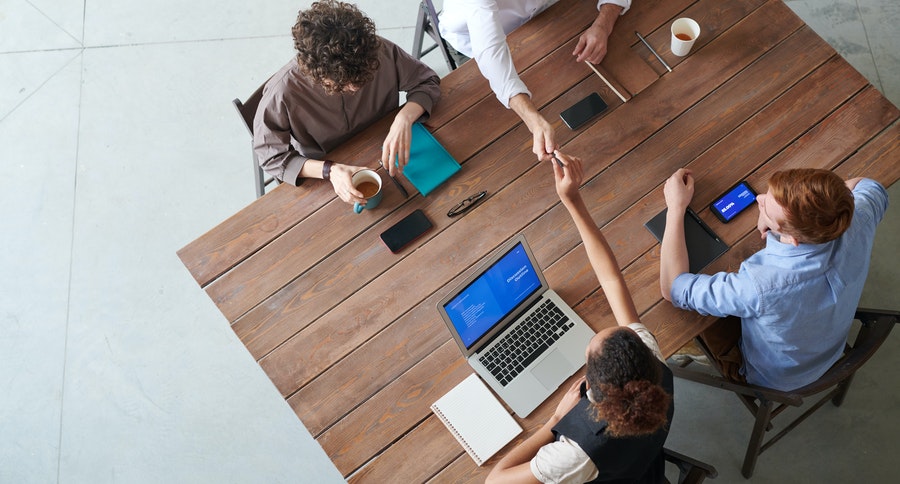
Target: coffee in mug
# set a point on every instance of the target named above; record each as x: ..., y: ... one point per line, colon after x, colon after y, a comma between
x: 367, y: 182
x: 368, y: 189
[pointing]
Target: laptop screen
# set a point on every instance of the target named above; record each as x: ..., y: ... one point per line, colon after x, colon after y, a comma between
x: 493, y: 295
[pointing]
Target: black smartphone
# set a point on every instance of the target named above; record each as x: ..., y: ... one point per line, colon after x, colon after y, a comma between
x: 405, y: 231
x: 582, y: 111
x: 733, y: 202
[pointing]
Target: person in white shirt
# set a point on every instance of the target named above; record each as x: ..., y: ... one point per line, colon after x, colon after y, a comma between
x: 478, y: 29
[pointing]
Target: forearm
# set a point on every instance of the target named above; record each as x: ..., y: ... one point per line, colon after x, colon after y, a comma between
x: 410, y: 112
x: 606, y: 18
x: 515, y: 467
x: 311, y: 169
x: 673, y: 253
x: 522, y: 105
x: 603, y: 261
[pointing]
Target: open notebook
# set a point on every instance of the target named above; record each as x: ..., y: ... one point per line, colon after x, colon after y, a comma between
x: 476, y: 418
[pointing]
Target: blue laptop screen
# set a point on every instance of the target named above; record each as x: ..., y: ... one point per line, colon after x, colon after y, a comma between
x: 490, y: 297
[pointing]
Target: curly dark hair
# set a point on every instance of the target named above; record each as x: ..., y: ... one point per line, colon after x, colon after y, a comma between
x: 625, y: 379
x: 336, y: 45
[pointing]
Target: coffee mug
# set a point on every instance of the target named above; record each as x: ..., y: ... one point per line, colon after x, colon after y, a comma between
x: 368, y: 183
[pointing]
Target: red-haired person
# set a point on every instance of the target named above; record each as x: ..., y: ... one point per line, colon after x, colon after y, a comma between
x: 612, y: 423
x: 792, y: 303
x: 344, y: 78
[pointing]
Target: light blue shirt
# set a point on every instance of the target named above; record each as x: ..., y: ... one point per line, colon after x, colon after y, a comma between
x: 796, y: 304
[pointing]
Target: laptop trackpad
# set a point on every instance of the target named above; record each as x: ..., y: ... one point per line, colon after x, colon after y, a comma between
x: 553, y: 370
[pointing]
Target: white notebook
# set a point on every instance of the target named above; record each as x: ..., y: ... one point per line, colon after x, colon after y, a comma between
x: 476, y: 418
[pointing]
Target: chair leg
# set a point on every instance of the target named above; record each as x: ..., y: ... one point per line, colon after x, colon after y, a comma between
x: 841, y: 391
x: 763, y: 414
x: 419, y: 35
x: 259, y: 177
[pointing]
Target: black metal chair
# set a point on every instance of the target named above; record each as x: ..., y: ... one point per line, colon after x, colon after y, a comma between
x: 427, y: 23
x: 690, y: 471
x: 247, y: 111
x: 766, y: 403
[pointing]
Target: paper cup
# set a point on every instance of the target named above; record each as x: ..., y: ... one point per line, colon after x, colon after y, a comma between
x: 684, y: 33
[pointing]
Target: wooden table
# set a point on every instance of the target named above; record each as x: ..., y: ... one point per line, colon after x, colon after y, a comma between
x: 349, y: 333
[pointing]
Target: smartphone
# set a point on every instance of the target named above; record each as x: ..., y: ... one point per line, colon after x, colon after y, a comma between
x: 582, y: 111
x: 405, y: 231
x: 733, y: 202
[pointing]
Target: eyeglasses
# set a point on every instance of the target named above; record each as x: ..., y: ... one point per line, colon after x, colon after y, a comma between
x: 466, y: 204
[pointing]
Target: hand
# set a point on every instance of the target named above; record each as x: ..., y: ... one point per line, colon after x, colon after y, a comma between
x: 396, y: 145
x: 544, y: 141
x: 763, y: 228
x: 341, y: 179
x: 592, y: 45
x: 543, y: 137
x: 569, y: 400
x: 679, y: 190
x: 568, y: 177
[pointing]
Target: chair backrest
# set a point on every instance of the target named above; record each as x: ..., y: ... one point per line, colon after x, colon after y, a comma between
x: 247, y: 111
x: 875, y: 327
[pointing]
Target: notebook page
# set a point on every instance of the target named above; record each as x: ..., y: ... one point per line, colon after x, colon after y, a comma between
x: 476, y: 418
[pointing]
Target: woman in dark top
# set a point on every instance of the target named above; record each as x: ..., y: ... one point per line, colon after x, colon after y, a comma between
x: 610, y: 426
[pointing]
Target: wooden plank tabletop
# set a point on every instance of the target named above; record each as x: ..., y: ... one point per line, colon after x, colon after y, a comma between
x: 348, y: 331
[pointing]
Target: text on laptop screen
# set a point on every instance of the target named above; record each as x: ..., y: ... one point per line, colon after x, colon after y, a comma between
x: 490, y: 297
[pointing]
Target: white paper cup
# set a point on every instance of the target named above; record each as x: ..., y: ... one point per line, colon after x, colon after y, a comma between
x: 684, y: 33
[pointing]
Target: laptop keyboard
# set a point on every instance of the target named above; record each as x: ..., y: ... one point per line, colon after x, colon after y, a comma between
x: 517, y: 349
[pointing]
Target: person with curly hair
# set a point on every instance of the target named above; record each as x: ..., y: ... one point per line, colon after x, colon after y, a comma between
x: 788, y: 309
x: 343, y: 79
x: 611, y: 423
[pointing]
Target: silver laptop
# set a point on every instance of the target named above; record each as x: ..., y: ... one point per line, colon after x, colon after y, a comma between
x: 515, y: 331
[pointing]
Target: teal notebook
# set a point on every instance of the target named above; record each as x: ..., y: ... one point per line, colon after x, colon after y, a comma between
x: 429, y: 163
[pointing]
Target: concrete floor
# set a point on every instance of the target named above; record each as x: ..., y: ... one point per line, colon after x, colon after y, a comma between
x: 118, y: 146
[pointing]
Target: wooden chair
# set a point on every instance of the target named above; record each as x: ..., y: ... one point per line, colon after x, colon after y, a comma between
x: 875, y: 327
x: 247, y: 111
x: 690, y: 471
x: 427, y: 23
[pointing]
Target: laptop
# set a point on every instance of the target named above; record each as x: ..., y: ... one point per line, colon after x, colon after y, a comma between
x: 516, y: 332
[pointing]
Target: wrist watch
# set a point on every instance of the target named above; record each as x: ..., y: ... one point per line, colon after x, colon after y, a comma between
x: 326, y: 170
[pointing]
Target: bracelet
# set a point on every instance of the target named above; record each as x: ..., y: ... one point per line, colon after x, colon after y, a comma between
x: 326, y: 170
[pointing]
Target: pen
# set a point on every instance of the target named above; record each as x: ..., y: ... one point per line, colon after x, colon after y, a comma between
x: 606, y: 82
x: 703, y: 225
x: 402, y: 190
x: 653, y: 51
x: 557, y: 160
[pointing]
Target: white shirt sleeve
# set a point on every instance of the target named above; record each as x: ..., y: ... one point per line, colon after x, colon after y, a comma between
x: 491, y: 52
x: 648, y: 339
x: 625, y: 4
x: 563, y: 461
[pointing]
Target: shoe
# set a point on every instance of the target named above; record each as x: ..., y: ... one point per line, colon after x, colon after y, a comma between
x: 690, y: 353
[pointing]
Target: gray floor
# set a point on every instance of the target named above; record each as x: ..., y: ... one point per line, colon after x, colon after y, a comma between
x: 118, y: 146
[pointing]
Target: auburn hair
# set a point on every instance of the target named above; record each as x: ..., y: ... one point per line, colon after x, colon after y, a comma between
x: 336, y: 45
x: 625, y: 377
x: 818, y: 205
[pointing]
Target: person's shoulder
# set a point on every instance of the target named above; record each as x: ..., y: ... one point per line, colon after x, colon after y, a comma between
x: 648, y: 338
x: 870, y: 186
